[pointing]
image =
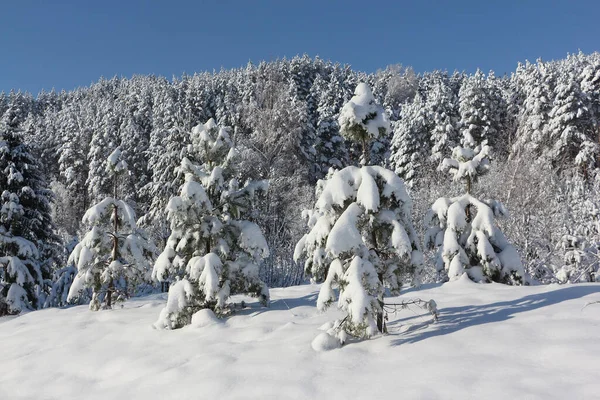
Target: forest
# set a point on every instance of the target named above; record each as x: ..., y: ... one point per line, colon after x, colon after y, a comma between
x: 535, y: 132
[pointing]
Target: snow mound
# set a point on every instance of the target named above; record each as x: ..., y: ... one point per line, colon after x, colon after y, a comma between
x: 325, y: 342
x: 204, y: 318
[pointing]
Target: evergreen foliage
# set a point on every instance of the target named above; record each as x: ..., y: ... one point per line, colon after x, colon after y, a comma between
x: 213, y: 251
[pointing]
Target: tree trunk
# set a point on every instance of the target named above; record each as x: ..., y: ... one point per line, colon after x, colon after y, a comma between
x: 114, y: 255
x: 115, y: 250
x: 380, y: 319
x: 468, y: 209
x: 365, y: 150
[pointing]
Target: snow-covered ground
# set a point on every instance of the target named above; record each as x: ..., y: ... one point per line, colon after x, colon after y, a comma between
x: 492, y: 341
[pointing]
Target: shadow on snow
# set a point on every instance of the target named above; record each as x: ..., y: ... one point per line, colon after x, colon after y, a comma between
x: 454, y: 319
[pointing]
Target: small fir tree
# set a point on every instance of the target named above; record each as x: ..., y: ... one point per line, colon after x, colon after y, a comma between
x: 463, y: 230
x: 361, y: 237
x: 28, y: 244
x: 213, y: 250
x: 113, y: 257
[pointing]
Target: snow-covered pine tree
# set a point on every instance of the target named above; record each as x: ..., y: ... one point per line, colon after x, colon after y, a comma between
x: 212, y: 245
x: 570, y: 127
x: 579, y: 244
x: 463, y: 230
x: 104, y: 138
x: 574, y: 259
x: 166, y: 148
x: 535, y: 82
x: 331, y: 151
x: 28, y: 244
x: 113, y: 256
x: 361, y: 237
x: 479, y: 109
x: 363, y: 121
x: 443, y: 106
x: 409, y: 142
x: 361, y: 240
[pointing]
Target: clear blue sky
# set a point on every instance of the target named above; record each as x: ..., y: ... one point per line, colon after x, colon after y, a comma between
x: 65, y: 44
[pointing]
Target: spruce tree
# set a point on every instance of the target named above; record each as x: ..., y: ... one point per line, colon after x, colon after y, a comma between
x: 28, y: 243
x: 409, y: 142
x: 570, y: 127
x: 463, y: 230
x: 361, y: 238
x: 443, y: 106
x: 213, y: 250
x: 113, y: 257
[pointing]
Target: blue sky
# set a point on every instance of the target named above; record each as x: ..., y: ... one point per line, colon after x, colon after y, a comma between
x: 65, y: 44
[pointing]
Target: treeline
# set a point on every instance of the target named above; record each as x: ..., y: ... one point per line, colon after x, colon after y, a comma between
x: 541, y: 122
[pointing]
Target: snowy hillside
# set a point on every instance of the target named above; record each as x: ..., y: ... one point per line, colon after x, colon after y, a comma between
x: 492, y: 341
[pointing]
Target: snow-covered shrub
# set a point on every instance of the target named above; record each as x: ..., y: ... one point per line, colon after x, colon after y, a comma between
x: 362, y: 241
x: 463, y: 229
x: 114, y: 255
x: 212, y: 251
x: 574, y: 250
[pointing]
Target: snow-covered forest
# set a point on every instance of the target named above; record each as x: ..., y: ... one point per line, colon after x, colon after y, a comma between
x: 529, y: 141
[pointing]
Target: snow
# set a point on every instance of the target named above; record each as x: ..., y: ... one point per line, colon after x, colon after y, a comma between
x: 367, y: 194
x: 360, y: 278
x: 179, y: 298
x: 205, y: 317
x: 324, y: 342
x: 492, y: 341
x: 97, y: 212
x: 344, y: 235
x: 115, y: 163
x: 17, y: 298
x: 364, y: 112
x: 206, y: 270
x: 252, y: 240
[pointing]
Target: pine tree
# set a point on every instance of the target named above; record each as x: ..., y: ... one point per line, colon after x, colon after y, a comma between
x: 361, y: 240
x: 361, y: 237
x: 570, y: 126
x: 104, y: 138
x: 463, y: 230
x: 28, y: 244
x: 409, y: 142
x: 479, y: 110
x: 211, y: 245
x: 167, y: 146
x: 330, y: 146
x: 536, y: 82
x: 443, y: 104
x: 114, y: 256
